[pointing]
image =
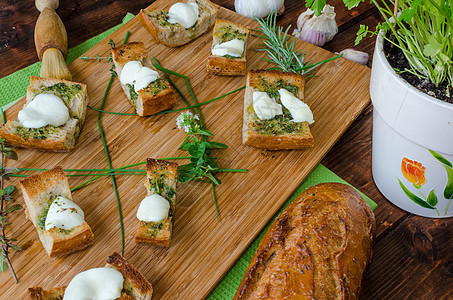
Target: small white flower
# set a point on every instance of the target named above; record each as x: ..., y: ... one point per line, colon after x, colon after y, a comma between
x: 186, y: 121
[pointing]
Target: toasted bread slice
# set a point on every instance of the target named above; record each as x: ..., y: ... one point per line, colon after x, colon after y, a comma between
x: 51, y: 138
x: 225, y: 31
x: 174, y: 35
x: 161, y: 178
x: 157, y: 96
x: 280, y: 132
x: 39, y: 191
x: 135, y: 285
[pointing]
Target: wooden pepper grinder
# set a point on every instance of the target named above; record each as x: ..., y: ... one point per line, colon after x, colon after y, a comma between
x: 51, y: 41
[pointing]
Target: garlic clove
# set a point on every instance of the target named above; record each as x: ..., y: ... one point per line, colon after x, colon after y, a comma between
x: 304, y: 17
x: 314, y: 37
x: 356, y: 56
x: 317, y: 29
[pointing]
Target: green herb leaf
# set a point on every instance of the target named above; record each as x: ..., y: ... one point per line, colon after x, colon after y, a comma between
x: 215, y: 145
x: 3, y: 265
x: 10, y: 154
x: 9, y: 190
x: 13, y: 207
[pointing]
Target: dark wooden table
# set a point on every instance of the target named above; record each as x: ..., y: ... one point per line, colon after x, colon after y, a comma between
x: 413, y: 256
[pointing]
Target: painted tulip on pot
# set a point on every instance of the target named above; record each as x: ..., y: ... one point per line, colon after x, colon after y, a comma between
x: 412, y: 155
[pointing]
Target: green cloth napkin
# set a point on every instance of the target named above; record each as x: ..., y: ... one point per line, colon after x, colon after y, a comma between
x: 14, y: 86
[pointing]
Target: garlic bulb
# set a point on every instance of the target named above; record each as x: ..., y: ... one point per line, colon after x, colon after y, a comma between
x: 317, y: 30
x: 356, y: 56
x: 257, y: 8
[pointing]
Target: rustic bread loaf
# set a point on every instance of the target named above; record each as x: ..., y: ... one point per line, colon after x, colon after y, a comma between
x: 51, y: 138
x: 174, y: 35
x: 135, y: 286
x: 225, y: 31
x: 161, y: 178
x: 280, y: 132
x: 157, y: 96
x: 39, y: 191
x: 317, y: 248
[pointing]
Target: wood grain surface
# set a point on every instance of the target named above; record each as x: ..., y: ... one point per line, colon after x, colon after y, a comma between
x: 202, y: 249
x: 399, y: 270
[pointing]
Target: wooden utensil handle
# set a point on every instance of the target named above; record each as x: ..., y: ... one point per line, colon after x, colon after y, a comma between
x: 50, y: 33
x: 41, y: 4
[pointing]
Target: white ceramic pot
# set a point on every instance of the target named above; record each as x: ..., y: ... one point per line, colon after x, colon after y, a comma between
x: 412, y: 155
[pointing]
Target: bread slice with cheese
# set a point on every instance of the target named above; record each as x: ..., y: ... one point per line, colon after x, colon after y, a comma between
x: 280, y: 132
x: 161, y: 179
x: 135, y: 285
x: 51, y: 138
x: 225, y: 31
x: 39, y: 191
x: 174, y: 35
x: 157, y: 96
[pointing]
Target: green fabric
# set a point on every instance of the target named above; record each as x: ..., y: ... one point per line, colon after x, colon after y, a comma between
x: 14, y: 86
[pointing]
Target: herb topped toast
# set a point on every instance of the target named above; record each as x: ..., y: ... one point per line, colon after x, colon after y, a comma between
x: 161, y: 179
x: 174, y: 35
x: 50, y: 138
x: 135, y: 285
x: 157, y: 96
x: 279, y: 132
x: 225, y: 31
x: 39, y: 192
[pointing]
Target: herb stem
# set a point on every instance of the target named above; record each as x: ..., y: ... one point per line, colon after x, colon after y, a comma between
x: 3, y: 116
x: 106, y: 151
x: 110, y: 112
x: 215, y: 201
x: 5, y: 244
x: 166, y: 72
x: 87, y: 174
x: 86, y: 170
x: 232, y: 170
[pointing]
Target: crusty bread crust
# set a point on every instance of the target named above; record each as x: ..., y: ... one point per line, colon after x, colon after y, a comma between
x: 38, y: 191
x: 268, y: 141
x: 317, y: 248
x: 37, y: 293
x: 134, y: 281
x: 68, y: 134
x: 225, y: 66
x: 146, y: 103
x: 177, y: 35
x: 168, y: 170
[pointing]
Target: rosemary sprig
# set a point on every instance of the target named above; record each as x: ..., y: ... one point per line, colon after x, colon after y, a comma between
x: 5, y: 195
x: 281, y: 50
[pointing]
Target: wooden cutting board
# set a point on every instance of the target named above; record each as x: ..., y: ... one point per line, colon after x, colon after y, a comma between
x: 203, y: 249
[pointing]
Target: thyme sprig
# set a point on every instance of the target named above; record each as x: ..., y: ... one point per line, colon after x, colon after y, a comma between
x: 202, y: 164
x: 97, y: 57
x: 281, y: 49
x: 6, y: 196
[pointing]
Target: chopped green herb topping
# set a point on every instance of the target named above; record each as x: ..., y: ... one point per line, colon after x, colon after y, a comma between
x: 281, y: 124
x: 41, y: 133
x: 227, y: 33
x: 65, y: 91
x: 156, y: 86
